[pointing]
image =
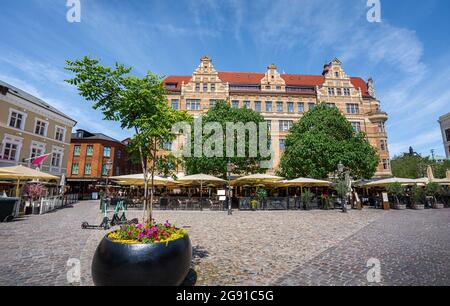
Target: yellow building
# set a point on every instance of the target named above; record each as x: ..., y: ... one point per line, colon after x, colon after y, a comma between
x: 282, y: 99
x: 29, y: 127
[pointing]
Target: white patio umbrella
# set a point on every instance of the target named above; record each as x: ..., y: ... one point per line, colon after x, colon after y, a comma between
x: 23, y: 173
x: 138, y: 179
x: 200, y: 179
x: 256, y: 179
x: 393, y: 180
x: 305, y: 182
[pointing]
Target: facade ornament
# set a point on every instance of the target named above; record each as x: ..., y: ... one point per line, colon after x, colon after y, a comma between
x: 371, y: 89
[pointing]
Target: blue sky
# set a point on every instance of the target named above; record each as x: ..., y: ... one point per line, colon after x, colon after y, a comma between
x: 407, y: 54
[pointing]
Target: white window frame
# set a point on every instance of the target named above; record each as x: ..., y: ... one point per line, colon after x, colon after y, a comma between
x: 359, y: 126
x: 196, y: 102
x: 64, y: 133
x: 59, y: 150
x: 46, y: 127
x: 37, y: 145
x: 352, y: 108
x: 11, y: 139
x: 24, y: 118
x: 285, y: 125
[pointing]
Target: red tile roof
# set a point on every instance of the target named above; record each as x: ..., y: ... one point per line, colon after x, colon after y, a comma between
x: 249, y: 78
x: 178, y: 80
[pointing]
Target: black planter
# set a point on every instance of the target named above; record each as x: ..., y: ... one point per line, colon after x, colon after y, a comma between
x: 117, y: 264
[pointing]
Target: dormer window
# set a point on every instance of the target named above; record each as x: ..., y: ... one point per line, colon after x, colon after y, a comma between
x: 171, y: 85
x: 336, y: 74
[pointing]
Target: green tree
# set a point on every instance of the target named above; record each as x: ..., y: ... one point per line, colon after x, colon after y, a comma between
x: 320, y: 140
x: 136, y: 103
x: 415, y: 166
x: 222, y: 114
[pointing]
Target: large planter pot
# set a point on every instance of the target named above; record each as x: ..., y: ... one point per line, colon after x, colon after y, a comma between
x: 118, y: 264
x: 438, y: 206
x: 400, y: 206
x: 418, y: 206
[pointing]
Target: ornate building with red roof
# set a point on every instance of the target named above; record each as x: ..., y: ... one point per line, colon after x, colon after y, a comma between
x: 282, y: 99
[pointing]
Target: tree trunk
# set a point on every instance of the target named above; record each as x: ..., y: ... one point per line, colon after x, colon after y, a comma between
x: 152, y: 171
x: 145, y: 173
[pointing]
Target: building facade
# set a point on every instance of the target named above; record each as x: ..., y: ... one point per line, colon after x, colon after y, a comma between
x: 29, y: 127
x: 444, y: 121
x: 93, y: 157
x: 282, y: 99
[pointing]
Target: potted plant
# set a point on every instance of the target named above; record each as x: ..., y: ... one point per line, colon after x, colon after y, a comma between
x: 261, y: 196
x: 35, y: 192
x: 307, y: 197
x: 143, y: 255
x: 395, y: 190
x: 341, y: 190
x: 417, y: 197
x: 325, y: 201
x: 434, y: 190
x: 254, y: 205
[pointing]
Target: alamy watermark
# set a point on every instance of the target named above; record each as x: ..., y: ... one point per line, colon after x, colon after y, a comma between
x: 74, y: 12
x: 236, y: 139
x: 73, y: 275
x: 374, y: 273
x: 374, y: 12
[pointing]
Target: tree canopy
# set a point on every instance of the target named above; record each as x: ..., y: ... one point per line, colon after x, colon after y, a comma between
x: 222, y: 114
x: 415, y: 166
x: 320, y: 140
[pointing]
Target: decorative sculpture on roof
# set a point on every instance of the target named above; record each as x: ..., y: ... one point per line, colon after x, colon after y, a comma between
x: 371, y: 89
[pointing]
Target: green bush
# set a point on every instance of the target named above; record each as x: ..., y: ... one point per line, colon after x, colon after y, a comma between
x: 395, y: 190
x: 418, y: 195
x: 341, y: 189
x: 433, y: 189
x: 261, y: 195
x: 307, y: 197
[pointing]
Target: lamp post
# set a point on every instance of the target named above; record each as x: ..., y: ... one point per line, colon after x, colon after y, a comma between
x: 341, y: 176
x: 230, y: 169
x: 108, y: 166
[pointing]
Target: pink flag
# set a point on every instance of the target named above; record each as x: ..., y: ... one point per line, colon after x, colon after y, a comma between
x: 38, y: 160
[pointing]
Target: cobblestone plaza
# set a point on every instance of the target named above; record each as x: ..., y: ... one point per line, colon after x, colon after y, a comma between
x: 248, y: 248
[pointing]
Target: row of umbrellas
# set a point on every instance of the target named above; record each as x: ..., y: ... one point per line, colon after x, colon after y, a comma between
x: 24, y: 173
x: 200, y: 179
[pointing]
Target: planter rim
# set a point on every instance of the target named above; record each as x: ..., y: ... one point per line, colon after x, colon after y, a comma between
x: 155, y: 243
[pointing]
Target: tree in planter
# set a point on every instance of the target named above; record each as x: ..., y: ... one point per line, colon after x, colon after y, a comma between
x: 307, y: 197
x: 341, y: 190
x: 434, y: 190
x: 137, y: 103
x: 261, y: 195
x: 396, y: 190
x: 325, y: 202
x: 417, y: 196
x: 34, y: 192
x: 321, y: 139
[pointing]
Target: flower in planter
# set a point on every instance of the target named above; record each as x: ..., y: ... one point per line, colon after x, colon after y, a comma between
x: 147, y: 233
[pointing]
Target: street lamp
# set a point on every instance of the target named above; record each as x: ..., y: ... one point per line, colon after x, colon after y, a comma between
x: 340, y: 168
x: 341, y: 176
x: 230, y: 168
x: 108, y: 166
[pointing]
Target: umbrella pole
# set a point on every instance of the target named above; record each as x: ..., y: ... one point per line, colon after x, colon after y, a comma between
x: 18, y: 188
x: 201, y: 195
